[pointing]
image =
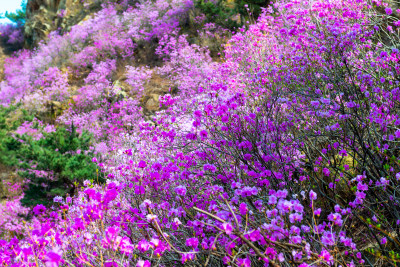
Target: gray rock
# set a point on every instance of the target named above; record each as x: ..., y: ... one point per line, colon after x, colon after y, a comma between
x: 45, y: 16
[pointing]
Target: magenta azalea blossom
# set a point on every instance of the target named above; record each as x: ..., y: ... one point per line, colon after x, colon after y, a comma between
x: 39, y: 209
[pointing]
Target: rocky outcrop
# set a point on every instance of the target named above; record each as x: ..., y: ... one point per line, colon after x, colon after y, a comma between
x: 8, y: 179
x: 2, y: 61
x: 45, y: 16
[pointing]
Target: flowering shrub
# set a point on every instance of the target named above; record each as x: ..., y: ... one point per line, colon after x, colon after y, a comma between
x: 11, y: 220
x: 12, y: 34
x: 106, y: 35
x: 272, y: 156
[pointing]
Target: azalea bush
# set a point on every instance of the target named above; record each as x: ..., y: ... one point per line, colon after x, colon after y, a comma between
x: 11, y: 37
x: 13, y: 217
x: 281, y: 152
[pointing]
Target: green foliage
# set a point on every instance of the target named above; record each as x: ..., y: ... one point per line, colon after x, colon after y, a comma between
x: 218, y: 13
x: 253, y: 5
x: 19, y: 16
x: 230, y: 14
x: 7, y: 122
x: 52, y: 166
x: 10, y: 119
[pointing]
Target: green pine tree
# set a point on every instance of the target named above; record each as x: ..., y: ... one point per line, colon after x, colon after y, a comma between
x: 19, y: 16
x: 56, y: 154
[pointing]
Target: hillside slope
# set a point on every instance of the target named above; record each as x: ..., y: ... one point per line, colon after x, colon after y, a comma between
x: 155, y: 133
x: 45, y: 16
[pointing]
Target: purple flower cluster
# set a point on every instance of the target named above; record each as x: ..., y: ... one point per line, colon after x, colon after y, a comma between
x: 271, y: 156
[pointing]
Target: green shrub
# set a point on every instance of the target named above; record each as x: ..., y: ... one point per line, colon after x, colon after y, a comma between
x: 253, y: 5
x: 10, y: 119
x: 223, y: 13
x: 54, y: 165
x: 218, y: 13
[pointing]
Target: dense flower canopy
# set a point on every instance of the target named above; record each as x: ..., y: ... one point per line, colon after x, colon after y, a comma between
x: 284, y: 151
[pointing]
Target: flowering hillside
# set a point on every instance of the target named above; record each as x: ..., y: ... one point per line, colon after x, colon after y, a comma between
x: 157, y: 134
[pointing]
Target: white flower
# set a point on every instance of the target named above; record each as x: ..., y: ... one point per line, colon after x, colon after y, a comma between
x: 151, y: 217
